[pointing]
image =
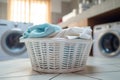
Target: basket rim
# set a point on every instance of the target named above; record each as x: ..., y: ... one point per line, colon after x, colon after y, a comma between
x: 54, y: 39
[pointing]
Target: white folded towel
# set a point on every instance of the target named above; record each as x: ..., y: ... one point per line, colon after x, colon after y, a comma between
x: 75, y: 32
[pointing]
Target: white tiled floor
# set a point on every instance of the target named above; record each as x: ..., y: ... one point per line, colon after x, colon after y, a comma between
x: 99, y: 69
x: 106, y: 76
x: 32, y: 77
x: 72, y: 77
x: 14, y: 66
x: 96, y: 69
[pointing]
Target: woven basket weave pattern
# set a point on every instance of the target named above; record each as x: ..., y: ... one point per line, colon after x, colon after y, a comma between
x: 58, y: 56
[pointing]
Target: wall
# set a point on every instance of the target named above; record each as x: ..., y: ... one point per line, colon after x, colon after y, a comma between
x: 59, y: 8
x: 3, y: 10
x: 74, y: 5
x: 57, y: 16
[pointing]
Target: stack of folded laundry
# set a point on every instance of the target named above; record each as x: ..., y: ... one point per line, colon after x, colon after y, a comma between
x: 54, y: 31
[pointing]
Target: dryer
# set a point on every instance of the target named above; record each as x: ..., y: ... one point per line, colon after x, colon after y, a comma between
x: 10, y: 47
x: 107, y: 40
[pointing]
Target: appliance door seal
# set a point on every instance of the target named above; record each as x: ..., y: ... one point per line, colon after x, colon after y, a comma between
x: 109, y: 43
x: 10, y: 42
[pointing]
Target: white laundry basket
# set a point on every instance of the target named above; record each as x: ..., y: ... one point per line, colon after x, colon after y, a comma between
x: 58, y: 55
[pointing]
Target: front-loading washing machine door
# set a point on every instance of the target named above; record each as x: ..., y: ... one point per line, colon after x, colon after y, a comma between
x: 10, y: 42
x: 109, y: 43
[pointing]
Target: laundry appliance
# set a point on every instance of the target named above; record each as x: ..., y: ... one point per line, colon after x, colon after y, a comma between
x: 107, y: 40
x: 10, y: 46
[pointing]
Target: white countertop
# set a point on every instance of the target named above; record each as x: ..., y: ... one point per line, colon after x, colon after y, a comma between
x: 96, y: 69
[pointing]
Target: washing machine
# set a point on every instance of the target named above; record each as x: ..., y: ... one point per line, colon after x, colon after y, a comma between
x: 10, y: 47
x: 107, y: 40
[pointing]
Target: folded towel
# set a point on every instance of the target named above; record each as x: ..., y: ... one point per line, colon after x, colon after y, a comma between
x: 75, y: 33
x: 86, y: 34
x: 42, y: 30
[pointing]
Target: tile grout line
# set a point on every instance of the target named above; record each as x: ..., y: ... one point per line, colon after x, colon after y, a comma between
x: 106, y: 64
x: 104, y: 72
x: 55, y: 76
x: 21, y: 76
x: 93, y: 77
x: 99, y: 72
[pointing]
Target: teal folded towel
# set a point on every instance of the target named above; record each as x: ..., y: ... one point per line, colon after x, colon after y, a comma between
x: 42, y: 30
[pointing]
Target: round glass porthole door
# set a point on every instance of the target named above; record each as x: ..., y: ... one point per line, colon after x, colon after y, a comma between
x: 109, y: 44
x: 10, y: 42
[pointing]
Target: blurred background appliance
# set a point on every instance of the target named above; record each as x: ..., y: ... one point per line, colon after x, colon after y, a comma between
x: 10, y: 47
x: 86, y: 4
x: 107, y: 40
x: 69, y: 15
